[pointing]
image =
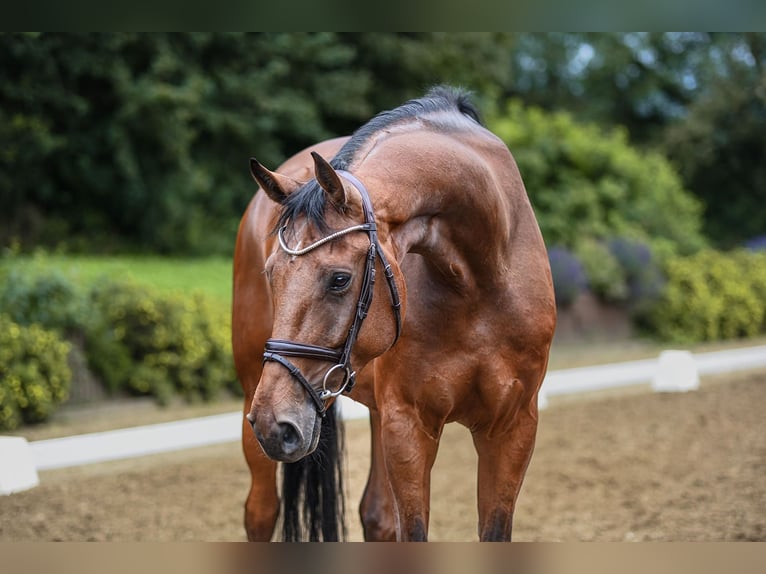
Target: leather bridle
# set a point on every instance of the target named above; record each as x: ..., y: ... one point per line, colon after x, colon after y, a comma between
x: 277, y: 350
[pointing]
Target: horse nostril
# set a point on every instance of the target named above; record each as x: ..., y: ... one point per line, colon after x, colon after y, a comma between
x: 290, y: 437
x: 251, y: 419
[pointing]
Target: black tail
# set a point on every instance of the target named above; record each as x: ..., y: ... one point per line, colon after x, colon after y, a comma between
x: 313, y: 505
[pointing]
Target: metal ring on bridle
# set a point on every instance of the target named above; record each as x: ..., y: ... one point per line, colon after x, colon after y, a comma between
x: 325, y: 394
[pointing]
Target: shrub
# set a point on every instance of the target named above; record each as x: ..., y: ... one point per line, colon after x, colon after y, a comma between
x: 34, y: 374
x: 49, y: 299
x: 569, y: 278
x: 643, y: 276
x: 606, y: 278
x: 151, y: 344
x: 589, y: 183
x: 711, y: 295
x: 756, y: 243
x: 753, y: 267
x: 135, y: 341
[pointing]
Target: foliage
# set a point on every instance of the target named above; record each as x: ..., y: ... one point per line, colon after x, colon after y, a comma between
x: 151, y: 344
x: 606, y: 278
x: 588, y: 183
x: 146, y: 131
x: 642, y: 274
x: 756, y: 243
x: 720, y: 153
x: 569, y: 278
x: 699, y: 95
x: 136, y: 340
x: 50, y: 299
x: 402, y: 65
x: 618, y: 271
x: 644, y: 81
x: 34, y: 374
x: 753, y: 268
x: 140, y: 141
x: 711, y: 295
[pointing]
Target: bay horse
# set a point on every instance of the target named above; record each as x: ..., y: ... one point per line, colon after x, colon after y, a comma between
x: 408, y: 272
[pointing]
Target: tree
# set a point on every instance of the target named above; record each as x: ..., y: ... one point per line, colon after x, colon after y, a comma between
x: 720, y: 152
x: 700, y: 96
x: 141, y: 141
x: 144, y: 138
x: 405, y: 65
x: 643, y: 81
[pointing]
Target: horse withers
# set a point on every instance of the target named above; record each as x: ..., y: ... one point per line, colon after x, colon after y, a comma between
x: 409, y: 273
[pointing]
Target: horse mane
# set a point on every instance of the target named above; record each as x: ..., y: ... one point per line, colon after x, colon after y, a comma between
x: 438, y: 99
x: 309, y: 200
x: 313, y: 505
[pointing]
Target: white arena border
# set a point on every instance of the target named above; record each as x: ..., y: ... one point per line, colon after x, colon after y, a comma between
x: 158, y: 438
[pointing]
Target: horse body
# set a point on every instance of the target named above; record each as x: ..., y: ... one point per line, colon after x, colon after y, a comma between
x: 454, y: 220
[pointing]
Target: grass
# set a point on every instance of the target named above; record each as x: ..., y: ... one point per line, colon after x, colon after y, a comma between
x: 210, y: 276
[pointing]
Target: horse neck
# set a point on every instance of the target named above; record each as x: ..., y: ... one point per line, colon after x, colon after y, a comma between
x: 457, y: 202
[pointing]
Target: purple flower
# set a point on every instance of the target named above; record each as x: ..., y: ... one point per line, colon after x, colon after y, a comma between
x: 756, y: 243
x: 633, y: 256
x: 569, y: 278
x: 643, y: 275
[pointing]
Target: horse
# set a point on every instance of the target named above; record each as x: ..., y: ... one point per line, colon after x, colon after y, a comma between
x: 409, y: 273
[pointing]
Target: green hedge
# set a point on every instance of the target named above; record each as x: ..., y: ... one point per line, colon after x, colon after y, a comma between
x: 137, y: 341
x: 49, y: 298
x: 606, y: 278
x: 146, y: 343
x: 34, y: 374
x: 711, y: 295
x: 586, y: 182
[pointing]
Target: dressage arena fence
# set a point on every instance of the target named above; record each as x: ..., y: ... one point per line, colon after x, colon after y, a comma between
x: 20, y: 461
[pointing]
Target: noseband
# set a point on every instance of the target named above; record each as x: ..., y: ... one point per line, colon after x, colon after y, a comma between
x: 277, y: 349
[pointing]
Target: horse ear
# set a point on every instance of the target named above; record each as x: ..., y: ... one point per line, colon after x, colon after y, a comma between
x: 329, y: 180
x: 276, y: 186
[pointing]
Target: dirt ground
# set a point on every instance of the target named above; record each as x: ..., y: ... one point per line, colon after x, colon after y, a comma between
x: 628, y: 466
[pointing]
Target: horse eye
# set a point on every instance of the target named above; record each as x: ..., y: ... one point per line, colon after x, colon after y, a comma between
x: 339, y: 282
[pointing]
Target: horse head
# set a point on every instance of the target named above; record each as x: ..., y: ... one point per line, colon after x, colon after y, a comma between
x: 327, y: 322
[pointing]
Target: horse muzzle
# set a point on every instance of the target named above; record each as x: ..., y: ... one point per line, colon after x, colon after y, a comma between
x: 286, y: 439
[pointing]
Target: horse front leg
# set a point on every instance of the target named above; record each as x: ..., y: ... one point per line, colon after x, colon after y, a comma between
x: 503, y: 459
x: 262, y: 504
x: 377, y: 506
x: 409, y: 450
